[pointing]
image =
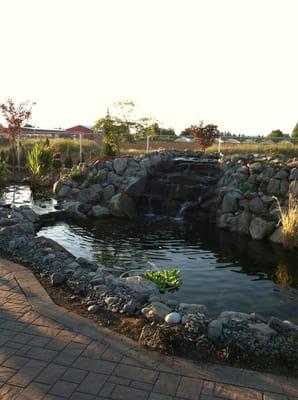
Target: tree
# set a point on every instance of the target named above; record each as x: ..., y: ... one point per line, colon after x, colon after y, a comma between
x: 14, y: 116
x: 277, y: 133
x: 204, y: 135
x: 115, y: 132
x: 295, y: 131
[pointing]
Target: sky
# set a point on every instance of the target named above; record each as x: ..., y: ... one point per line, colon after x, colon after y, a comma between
x: 229, y: 62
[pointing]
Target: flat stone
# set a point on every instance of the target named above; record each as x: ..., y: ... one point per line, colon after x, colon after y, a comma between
x: 187, y: 308
x: 233, y: 315
x: 141, y: 285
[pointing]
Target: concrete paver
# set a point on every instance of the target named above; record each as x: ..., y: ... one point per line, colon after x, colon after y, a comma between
x: 49, y: 353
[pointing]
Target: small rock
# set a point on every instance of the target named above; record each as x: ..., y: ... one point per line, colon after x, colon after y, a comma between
x: 173, y: 318
x: 93, y: 309
x: 57, y: 279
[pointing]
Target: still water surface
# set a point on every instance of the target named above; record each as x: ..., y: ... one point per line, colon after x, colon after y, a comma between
x: 224, y: 271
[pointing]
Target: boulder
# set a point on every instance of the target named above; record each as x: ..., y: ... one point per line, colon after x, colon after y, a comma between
x: 230, y: 203
x: 233, y: 315
x: 72, y: 208
x: 99, y: 211
x: 57, y: 279
x: 120, y: 165
x: 122, y: 205
x: 136, y: 186
x: 257, y: 206
x: 294, y: 174
x: 115, y: 179
x: 138, y: 284
x: 155, y: 311
x: 285, y: 328
x: 214, y: 330
x: 276, y: 236
x: 262, y: 331
x: 29, y: 214
x: 294, y: 188
x: 108, y: 192
x: 241, y: 223
x: 259, y: 228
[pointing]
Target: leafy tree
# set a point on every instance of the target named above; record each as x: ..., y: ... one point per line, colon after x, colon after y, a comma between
x: 277, y: 133
x: 295, y: 131
x: 115, y: 132
x: 14, y: 116
x: 204, y: 135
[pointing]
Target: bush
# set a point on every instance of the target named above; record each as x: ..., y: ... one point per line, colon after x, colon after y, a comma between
x: 68, y: 163
x: 289, y: 220
x: 40, y: 160
x: 3, y: 169
x: 107, y: 150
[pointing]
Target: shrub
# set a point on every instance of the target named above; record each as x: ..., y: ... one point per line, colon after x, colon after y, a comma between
x: 3, y: 170
x: 40, y: 160
x: 289, y: 220
x: 68, y: 158
x: 94, y: 178
x: 166, y: 279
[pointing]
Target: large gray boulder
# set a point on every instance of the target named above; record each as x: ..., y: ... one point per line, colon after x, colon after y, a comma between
x: 230, y: 203
x: 122, y: 205
x: 257, y: 206
x: 29, y: 214
x: 108, y: 192
x: 99, y: 211
x: 136, y: 186
x: 140, y: 285
x: 259, y: 228
x: 276, y: 236
x: 120, y: 165
x: 262, y: 331
x: 72, y: 208
x: 214, y: 330
x: 241, y: 223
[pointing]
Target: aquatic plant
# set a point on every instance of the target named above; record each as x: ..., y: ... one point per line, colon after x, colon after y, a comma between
x: 165, y: 279
x: 289, y: 221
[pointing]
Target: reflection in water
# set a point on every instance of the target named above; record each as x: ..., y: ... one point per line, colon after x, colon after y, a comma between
x: 223, y: 271
x: 284, y: 277
x: 21, y: 195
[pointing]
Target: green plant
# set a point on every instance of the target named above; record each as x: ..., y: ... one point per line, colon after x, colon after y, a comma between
x: 76, y: 175
x: 165, y: 279
x: 40, y: 160
x: 94, y: 178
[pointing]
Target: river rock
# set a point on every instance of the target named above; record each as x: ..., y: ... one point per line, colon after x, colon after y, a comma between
x: 108, y: 192
x: 122, y: 205
x: 120, y: 165
x: 141, y: 285
x: 257, y: 206
x: 93, y: 308
x: 277, y: 236
x: 262, y: 331
x: 30, y: 215
x: 214, y: 330
x: 230, y: 203
x: 173, y: 318
x: 156, y: 311
x: 259, y: 228
x: 99, y: 211
x: 187, y: 308
x: 57, y: 279
x: 233, y: 315
x: 285, y: 328
x: 136, y: 186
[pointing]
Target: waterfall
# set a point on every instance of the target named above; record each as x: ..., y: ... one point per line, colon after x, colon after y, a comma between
x: 182, y: 210
x: 150, y: 212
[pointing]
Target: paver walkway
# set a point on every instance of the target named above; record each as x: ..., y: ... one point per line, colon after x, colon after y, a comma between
x: 49, y: 353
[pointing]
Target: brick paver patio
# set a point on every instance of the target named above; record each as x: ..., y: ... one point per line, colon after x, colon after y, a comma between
x: 49, y: 353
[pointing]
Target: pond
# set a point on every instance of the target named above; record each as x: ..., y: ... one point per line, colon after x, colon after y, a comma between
x: 224, y: 271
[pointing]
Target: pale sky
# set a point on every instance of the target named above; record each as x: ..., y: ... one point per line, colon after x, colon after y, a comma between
x: 230, y: 62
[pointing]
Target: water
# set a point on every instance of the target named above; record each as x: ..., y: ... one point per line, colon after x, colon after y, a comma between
x: 221, y: 270
x: 224, y: 271
x: 20, y: 195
